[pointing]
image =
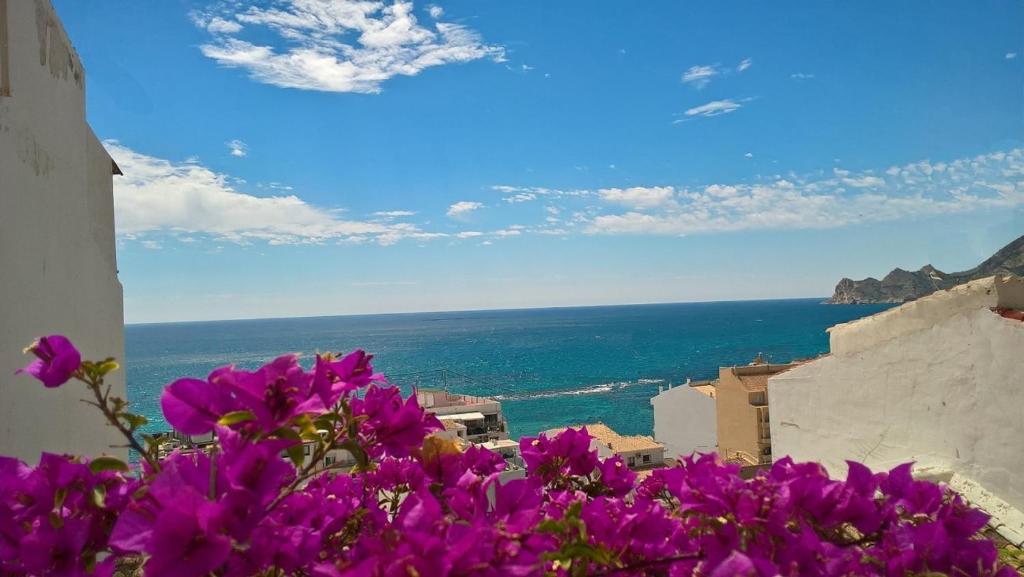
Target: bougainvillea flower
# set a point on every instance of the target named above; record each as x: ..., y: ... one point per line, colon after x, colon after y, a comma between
x: 334, y: 378
x: 56, y: 362
x: 193, y: 406
x: 419, y: 504
x: 396, y: 426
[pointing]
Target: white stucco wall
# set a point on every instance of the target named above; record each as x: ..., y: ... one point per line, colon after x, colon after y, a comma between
x: 58, y: 271
x: 685, y: 421
x: 938, y: 382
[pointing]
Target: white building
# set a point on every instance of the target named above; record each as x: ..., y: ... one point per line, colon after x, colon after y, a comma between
x: 937, y: 381
x: 59, y: 271
x: 480, y: 418
x: 685, y: 419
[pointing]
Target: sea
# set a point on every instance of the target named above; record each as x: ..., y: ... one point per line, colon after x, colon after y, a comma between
x: 549, y: 367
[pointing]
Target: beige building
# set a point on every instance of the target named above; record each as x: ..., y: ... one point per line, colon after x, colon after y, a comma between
x: 728, y: 415
x: 638, y: 451
x: 741, y: 408
x: 57, y: 250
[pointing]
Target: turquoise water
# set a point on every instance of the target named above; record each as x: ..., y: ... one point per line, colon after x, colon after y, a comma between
x: 550, y: 367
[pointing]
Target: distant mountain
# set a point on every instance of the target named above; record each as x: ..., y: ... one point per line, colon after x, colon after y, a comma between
x: 903, y: 285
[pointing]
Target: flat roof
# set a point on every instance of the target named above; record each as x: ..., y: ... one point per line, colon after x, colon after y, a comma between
x: 500, y: 444
x: 462, y: 417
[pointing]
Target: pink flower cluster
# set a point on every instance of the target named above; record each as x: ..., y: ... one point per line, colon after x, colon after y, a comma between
x: 414, y: 504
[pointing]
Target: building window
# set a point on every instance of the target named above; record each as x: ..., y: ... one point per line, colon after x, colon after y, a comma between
x: 647, y: 458
x: 632, y: 461
x: 5, y: 63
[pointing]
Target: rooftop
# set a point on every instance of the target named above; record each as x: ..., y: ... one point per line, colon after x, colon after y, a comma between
x: 706, y: 388
x: 754, y: 378
x: 616, y: 442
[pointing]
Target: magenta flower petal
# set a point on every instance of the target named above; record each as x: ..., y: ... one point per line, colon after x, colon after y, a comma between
x: 57, y: 360
x: 193, y: 406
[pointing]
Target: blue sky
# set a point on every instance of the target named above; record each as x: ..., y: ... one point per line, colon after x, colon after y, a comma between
x: 307, y: 157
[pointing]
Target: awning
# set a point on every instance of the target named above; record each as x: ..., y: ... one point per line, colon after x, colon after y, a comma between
x: 500, y: 444
x: 462, y: 417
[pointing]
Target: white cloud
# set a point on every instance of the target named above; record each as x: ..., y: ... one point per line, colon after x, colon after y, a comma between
x: 820, y: 200
x: 238, y: 148
x: 394, y: 213
x: 337, y: 45
x: 216, y: 24
x: 744, y: 64
x: 638, y: 197
x: 435, y: 11
x: 151, y: 244
x: 187, y: 198
x: 1011, y: 55
x: 700, y: 76
x: 714, y: 108
x: 801, y: 76
x: 463, y: 208
x: 520, y: 197
x: 528, y: 193
x: 469, y: 234
x: 748, y: 155
x: 866, y: 181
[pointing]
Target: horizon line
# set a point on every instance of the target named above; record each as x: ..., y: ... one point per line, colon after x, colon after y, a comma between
x: 475, y: 310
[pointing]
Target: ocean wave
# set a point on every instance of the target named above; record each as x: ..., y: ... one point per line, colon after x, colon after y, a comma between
x: 591, y: 390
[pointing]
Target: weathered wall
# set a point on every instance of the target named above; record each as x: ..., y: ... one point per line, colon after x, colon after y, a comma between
x: 684, y: 421
x: 58, y: 270
x: 737, y: 418
x: 937, y: 381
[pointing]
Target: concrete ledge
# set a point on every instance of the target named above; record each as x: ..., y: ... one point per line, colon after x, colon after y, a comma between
x: 922, y: 314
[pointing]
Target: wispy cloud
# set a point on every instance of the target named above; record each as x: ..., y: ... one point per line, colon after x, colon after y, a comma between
x: 744, y: 64
x: 463, y: 208
x: 713, y: 108
x: 638, y: 197
x: 157, y: 196
x: 1011, y: 55
x: 528, y: 193
x: 825, y: 199
x: 801, y: 76
x: 394, y: 213
x: 237, y: 148
x: 699, y: 76
x: 336, y: 45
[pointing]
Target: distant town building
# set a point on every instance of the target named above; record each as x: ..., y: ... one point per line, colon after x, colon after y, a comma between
x: 57, y: 249
x: 481, y: 417
x: 744, y: 433
x: 937, y: 381
x: 728, y: 415
x: 685, y: 420
x: 638, y: 451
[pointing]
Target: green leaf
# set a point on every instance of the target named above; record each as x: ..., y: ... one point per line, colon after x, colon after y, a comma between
x: 99, y: 496
x: 107, y: 366
x: 107, y: 464
x: 134, y: 421
x: 295, y: 452
x: 235, y: 417
x: 362, y: 459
